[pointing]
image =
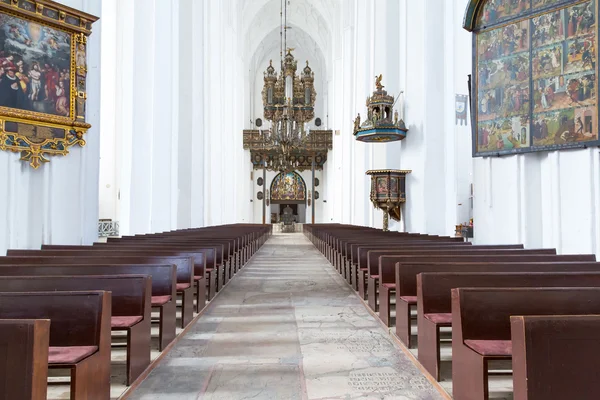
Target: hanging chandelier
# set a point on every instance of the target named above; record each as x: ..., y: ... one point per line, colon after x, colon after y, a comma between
x: 288, y: 101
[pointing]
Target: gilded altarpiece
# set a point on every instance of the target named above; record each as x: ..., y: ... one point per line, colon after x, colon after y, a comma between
x: 535, y: 69
x: 43, y: 72
x: 288, y: 188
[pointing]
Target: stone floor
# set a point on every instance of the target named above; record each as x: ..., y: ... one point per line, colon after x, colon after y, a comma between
x: 287, y: 327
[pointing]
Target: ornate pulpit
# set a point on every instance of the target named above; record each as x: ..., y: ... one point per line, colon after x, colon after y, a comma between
x: 388, y: 192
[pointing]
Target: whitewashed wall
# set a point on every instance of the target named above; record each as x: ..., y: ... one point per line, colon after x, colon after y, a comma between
x: 58, y: 203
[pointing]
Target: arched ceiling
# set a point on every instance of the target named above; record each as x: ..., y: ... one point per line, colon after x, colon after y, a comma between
x: 316, y: 18
x: 306, y: 49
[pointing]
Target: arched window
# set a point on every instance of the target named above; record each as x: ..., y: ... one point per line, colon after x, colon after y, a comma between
x: 534, y: 71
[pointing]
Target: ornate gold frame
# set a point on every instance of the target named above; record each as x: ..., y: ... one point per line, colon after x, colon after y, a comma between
x: 78, y: 24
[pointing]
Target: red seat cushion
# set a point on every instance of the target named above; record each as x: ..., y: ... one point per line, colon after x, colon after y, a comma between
x: 124, y: 322
x: 374, y: 276
x: 209, y: 270
x: 491, y: 347
x: 160, y: 300
x: 198, y: 277
x: 440, y: 318
x: 363, y: 269
x: 389, y: 285
x: 409, y: 299
x: 182, y: 286
x: 70, y: 354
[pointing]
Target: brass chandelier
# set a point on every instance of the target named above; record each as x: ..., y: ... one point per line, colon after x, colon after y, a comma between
x: 288, y: 101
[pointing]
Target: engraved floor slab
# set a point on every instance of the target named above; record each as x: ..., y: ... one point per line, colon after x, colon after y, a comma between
x: 287, y: 327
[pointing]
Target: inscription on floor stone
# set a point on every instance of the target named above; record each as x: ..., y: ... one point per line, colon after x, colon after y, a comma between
x: 385, y: 380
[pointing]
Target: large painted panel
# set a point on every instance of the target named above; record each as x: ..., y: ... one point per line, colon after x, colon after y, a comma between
x: 536, y: 79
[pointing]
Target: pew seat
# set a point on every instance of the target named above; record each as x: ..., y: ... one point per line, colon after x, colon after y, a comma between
x: 80, y: 336
x: 69, y: 354
x: 482, y: 327
x: 491, y: 348
x: 124, y: 322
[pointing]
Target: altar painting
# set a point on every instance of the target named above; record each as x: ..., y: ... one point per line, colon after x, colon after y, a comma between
x: 35, y: 67
x: 536, y: 80
x: 288, y: 187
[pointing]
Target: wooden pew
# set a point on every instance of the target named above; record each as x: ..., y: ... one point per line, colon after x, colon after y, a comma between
x: 24, y: 355
x: 381, y: 267
x: 163, y: 285
x: 481, y: 329
x: 130, y: 307
x: 200, y: 253
x: 552, y: 357
x: 380, y: 263
x: 184, y: 267
x: 434, y: 300
x: 223, y: 249
x: 405, y: 286
x: 359, y: 255
x: 204, y: 265
x: 79, y: 334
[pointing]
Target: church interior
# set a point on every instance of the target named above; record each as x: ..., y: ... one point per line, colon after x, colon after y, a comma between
x: 299, y: 199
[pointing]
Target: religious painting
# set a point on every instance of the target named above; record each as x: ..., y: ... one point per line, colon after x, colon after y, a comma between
x: 581, y: 19
x: 42, y: 78
x: 536, y: 93
x: 382, y: 186
x: 504, y: 134
x: 35, y: 66
x: 288, y: 187
x: 547, y: 29
x: 495, y: 11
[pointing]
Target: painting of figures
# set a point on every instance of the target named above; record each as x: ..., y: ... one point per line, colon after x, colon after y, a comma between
x: 508, y: 70
x: 504, y: 102
x: 503, y: 42
x: 580, y: 19
x: 566, y: 91
x: 35, y: 67
x: 536, y: 78
x: 581, y: 54
x: 547, y: 29
x: 497, y: 10
x: 503, y: 134
x: 547, y: 61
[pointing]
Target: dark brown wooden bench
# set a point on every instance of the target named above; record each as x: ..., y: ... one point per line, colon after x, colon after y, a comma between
x: 405, y: 288
x: 434, y: 300
x: 163, y: 285
x: 24, y: 354
x: 130, y: 307
x: 481, y: 329
x: 223, y: 249
x: 204, y: 279
x: 381, y: 266
x: 79, y: 334
x: 359, y: 251
x: 551, y: 357
x: 183, y: 263
x: 200, y: 253
x: 381, y: 263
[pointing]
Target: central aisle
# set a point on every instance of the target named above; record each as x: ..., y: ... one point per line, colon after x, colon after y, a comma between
x: 286, y: 327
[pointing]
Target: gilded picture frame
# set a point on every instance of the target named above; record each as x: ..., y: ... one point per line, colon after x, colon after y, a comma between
x: 43, y: 71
